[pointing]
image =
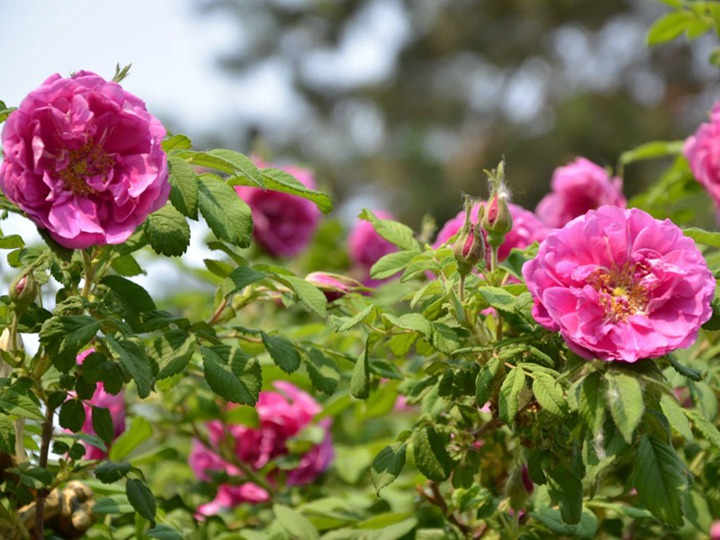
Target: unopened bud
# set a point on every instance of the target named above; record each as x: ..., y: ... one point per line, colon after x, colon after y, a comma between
x: 333, y: 286
x: 469, y: 247
x: 497, y: 220
x: 516, y: 489
x: 23, y: 290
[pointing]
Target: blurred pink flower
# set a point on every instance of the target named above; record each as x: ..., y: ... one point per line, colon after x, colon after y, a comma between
x: 366, y: 247
x: 576, y: 188
x: 715, y: 530
x: 114, y: 403
x: 703, y: 152
x: 282, y: 415
x: 620, y: 285
x: 527, y: 228
x: 283, y: 224
x: 83, y: 160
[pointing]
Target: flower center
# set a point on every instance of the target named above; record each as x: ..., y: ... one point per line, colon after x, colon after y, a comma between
x: 85, y: 162
x: 620, y: 291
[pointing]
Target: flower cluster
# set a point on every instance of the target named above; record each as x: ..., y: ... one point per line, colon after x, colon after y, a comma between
x: 576, y: 188
x: 282, y: 416
x: 83, y: 160
x: 283, y: 224
x: 620, y: 285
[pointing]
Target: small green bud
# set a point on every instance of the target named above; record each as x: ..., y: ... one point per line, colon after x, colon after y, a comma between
x: 23, y: 290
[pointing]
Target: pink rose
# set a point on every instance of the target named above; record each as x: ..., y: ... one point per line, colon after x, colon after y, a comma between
x: 83, y: 160
x: 282, y: 416
x: 366, y: 246
x: 576, y: 188
x: 702, y: 150
x: 620, y: 285
x: 283, y: 224
x: 114, y: 403
x: 527, y: 228
x: 715, y: 530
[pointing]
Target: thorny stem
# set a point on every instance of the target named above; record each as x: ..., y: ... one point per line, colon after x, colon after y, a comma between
x: 46, y: 438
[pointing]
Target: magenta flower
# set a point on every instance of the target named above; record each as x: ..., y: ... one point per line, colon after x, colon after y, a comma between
x: 576, y: 188
x: 715, y: 530
x: 620, y: 285
x: 703, y: 152
x: 283, y: 224
x: 527, y: 228
x: 83, y: 160
x: 114, y: 403
x: 333, y: 286
x: 366, y: 247
x: 283, y: 415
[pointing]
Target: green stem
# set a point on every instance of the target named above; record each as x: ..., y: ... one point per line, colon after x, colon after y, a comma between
x: 46, y: 438
x: 461, y: 294
x: 89, y: 272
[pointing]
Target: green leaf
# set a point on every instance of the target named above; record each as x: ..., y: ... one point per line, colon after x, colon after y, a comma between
x: 485, y: 380
x: 343, y: 324
x: 660, y: 479
x: 704, y: 426
x: 651, y: 150
x: 139, y: 431
x: 567, y: 490
x: 228, y: 216
x: 102, y: 424
x: 278, y: 180
x: 388, y: 465
x: 625, y: 398
x: 702, y: 236
x: 13, y: 241
x: 227, y: 161
x: 668, y: 27
x: 295, y: 523
x: 311, y: 297
x: 176, y: 142
x: 184, y: 192
x: 232, y: 374
x: 63, y: 336
x: 392, y: 263
x: 163, y: 532
x: 7, y: 435
x: 134, y: 359
x: 116, y: 504
x: 172, y: 351
x: 501, y: 299
x: 430, y: 454
x: 586, y: 529
x: 691, y: 373
x: 674, y: 413
x: 239, y: 278
x: 127, y: 266
x: 549, y: 394
x: 324, y: 373
x: 167, y: 231
x: 360, y: 380
x: 591, y: 401
x: 410, y: 321
x: 135, y: 298
x: 72, y: 415
x: 141, y: 499
x: 109, y: 472
x: 508, y: 399
x: 283, y: 352
x: 394, y: 232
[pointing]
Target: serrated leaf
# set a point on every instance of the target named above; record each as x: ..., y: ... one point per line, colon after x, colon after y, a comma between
x: 295, y: 523
x: 141, y: 498
x: 184, y: 192
x: 586, y: 529
x: 567, y: 490
x: 172, y: 351
x: 360, y: 380
x: 228, y: 216
x: 392, y: 263
x: 139, y: 431
x: 501, y: 299
x: 63, y: 336
x: 343, y: 324
x: 323, y: 371
x: 12, y: 241
x: 310, y: 296
x: 485, y: 380
x: 116, y: 504
x: 660, y: 479
x: 72, y: 415
x: 279, y: 180
x: 176, y: 142
x: 7, y: 435
x: 163, y: 532
x: 704, y: 426
x: 109, y: 472
x: 509, y: 396
x: 127, y: 266
x: 625, y: 399
x: 410, y: 321
x: 591, y: 401
x: 227, y: 161
x: 674, y: 413
x: 133, y: 357
x: 134, y: 297
x: 282, y: 351
x: 388, y: 465
x: 232, y: 374
x: 102, y: 424
x: 394, y: 232
x: 430, y: 454
x: 549, y: 394
x: 691, y: 373
x: 167, y: 231
x: 241, y: 277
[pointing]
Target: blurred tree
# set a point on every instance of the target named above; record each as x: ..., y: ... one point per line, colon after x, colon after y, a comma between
x: 403, y: 103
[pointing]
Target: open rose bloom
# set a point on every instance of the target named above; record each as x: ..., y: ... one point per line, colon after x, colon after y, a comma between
x: 283, y: 224
x: 282, y: 416
x: 703, y: 153
x: 83, y: 160
x: 621, y: 285
x: 576, y: 188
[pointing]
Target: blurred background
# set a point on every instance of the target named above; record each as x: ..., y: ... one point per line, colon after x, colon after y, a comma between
x: 396, y: 104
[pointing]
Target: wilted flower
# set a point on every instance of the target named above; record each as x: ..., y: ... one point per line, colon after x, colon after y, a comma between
x: 527, y: 228
x: 83, y: 160
x: 113, y: 403
x: 703, y: 152
x: 620, y: 285
x: 366, y: 246
x: 576, y: 188
x: 283, y: 224
x: 282, y: 416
